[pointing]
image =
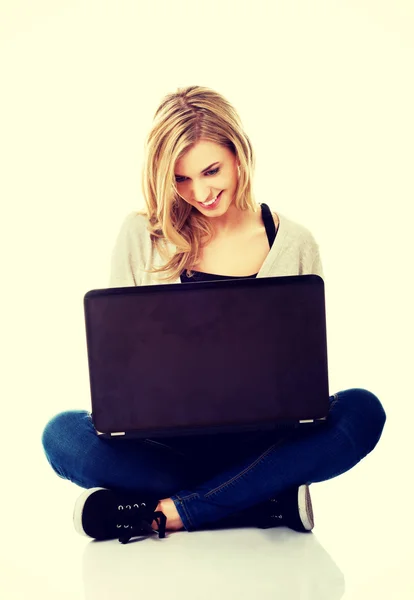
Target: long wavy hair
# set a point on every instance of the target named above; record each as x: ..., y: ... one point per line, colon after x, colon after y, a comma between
x: 182, y: 119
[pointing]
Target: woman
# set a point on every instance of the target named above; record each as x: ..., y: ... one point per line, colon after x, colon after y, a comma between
x: 202, y: 222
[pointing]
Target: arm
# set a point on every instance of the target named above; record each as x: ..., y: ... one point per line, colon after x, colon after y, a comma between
x: 125, y: 257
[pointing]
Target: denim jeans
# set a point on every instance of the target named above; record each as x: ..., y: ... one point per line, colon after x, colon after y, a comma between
x: 211, y: 477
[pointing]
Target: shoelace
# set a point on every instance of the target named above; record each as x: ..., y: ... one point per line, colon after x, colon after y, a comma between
x: 134, y: 520
x: 277, y: 508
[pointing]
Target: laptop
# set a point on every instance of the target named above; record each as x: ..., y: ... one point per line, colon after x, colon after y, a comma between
x: 207, y: 357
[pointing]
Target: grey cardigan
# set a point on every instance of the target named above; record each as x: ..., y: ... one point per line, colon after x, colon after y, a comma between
x: 294, y: 252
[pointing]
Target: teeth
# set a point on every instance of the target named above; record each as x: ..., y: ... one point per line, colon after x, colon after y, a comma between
x: 211, y: 201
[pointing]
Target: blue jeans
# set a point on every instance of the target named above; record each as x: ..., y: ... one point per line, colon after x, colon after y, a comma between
x: 211, y: 477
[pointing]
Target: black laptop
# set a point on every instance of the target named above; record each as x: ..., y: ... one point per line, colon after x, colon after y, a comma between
x: 208, y: 357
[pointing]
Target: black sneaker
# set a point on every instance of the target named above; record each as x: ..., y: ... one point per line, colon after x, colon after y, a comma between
x: 291, y: 508
x: 105, y: 514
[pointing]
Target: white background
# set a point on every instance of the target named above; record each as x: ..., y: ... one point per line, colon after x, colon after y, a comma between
x: 325, y: 91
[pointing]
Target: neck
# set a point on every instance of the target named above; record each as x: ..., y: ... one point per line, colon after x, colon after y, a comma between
x: 235, y: 220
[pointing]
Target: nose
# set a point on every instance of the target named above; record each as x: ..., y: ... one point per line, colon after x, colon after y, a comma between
x: 201, y: 192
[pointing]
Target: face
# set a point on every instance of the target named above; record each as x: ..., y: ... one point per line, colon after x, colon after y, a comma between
x: 206, y: 171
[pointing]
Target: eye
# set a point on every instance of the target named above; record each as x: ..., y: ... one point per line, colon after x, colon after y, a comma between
x: 213, y: 172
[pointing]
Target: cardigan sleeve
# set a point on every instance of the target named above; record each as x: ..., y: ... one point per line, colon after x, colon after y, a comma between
x: 317, y: 268
x: 125, y: 256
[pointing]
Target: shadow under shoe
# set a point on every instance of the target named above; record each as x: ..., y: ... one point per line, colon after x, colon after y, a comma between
x: 104, y: 514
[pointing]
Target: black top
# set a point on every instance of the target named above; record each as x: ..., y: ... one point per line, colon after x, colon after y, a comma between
x: 271, y: 235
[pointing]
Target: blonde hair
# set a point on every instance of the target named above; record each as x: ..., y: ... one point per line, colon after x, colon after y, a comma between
x: 182, y: 119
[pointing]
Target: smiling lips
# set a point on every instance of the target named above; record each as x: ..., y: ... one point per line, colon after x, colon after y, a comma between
x: 210, y: 202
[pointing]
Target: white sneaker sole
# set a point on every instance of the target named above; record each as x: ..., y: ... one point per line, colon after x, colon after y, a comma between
x: 305, y: 507
x: 78, y: 510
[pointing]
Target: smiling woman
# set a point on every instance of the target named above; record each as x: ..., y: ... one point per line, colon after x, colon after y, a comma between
x: 201, y: 212
x: 197, y: 179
